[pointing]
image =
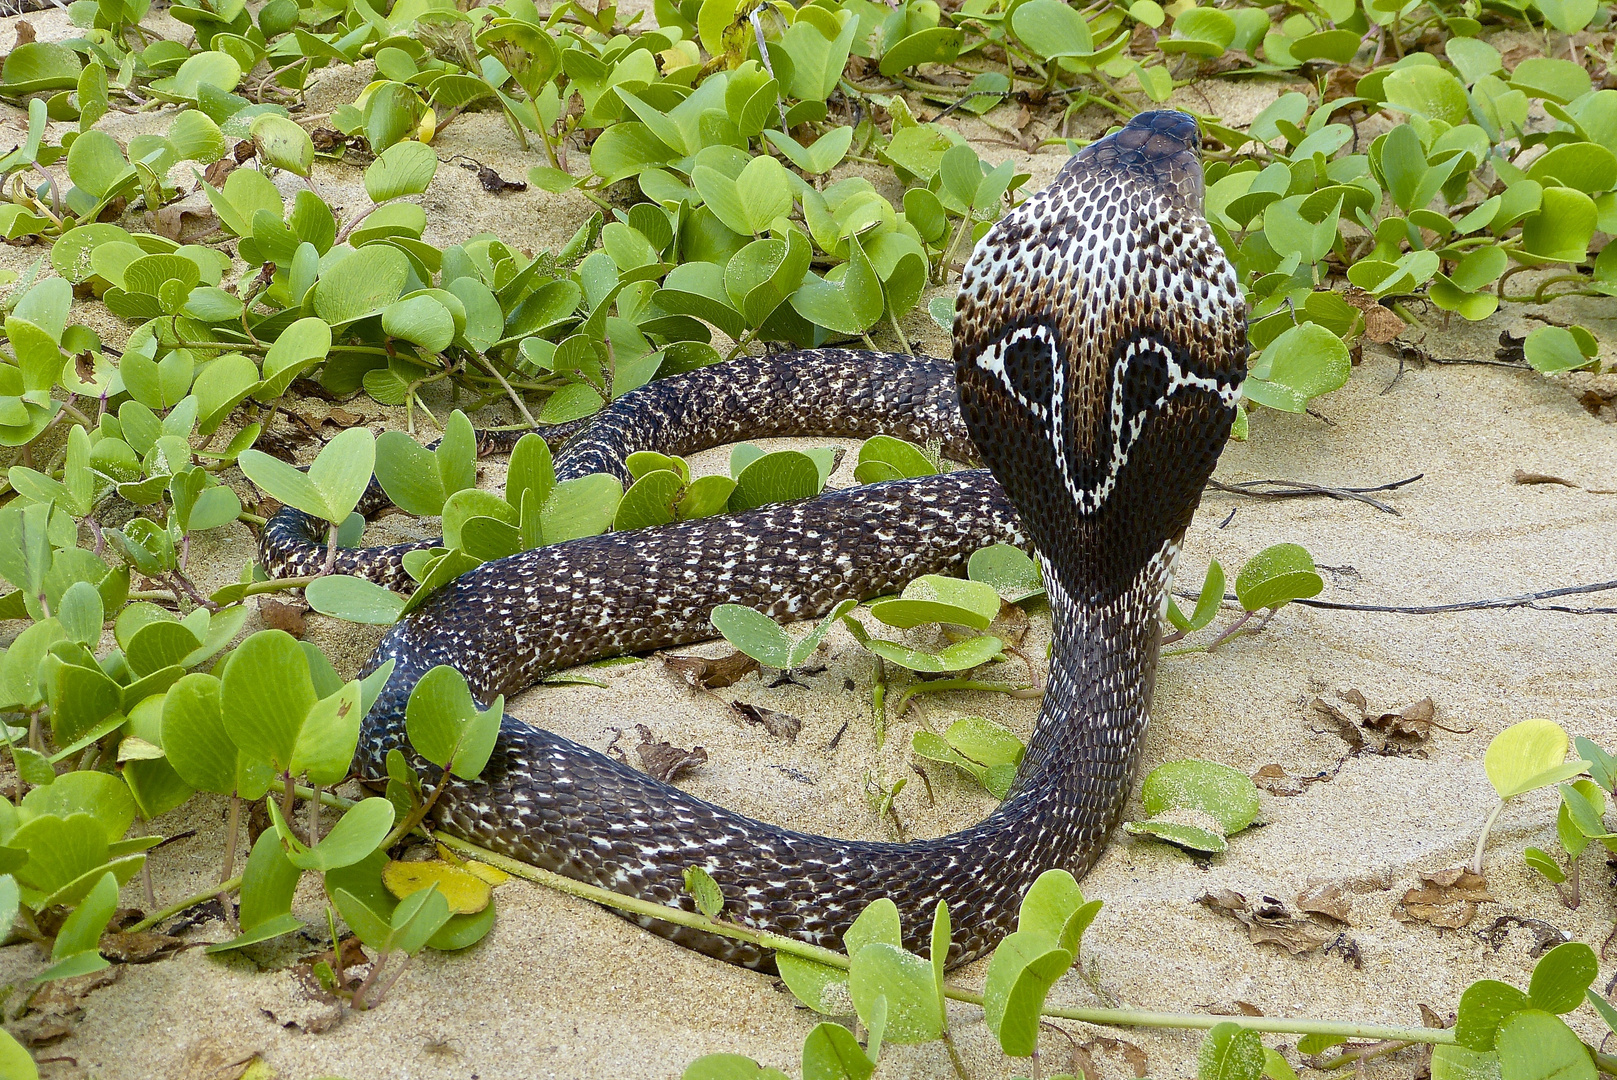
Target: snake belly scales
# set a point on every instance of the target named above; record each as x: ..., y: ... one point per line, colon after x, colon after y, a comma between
x: 1100, y: 343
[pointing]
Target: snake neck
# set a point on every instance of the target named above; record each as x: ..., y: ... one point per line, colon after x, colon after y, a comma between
x: 1096, y: 707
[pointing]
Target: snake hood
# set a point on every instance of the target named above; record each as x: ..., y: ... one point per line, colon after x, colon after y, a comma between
x: 1100, y: 345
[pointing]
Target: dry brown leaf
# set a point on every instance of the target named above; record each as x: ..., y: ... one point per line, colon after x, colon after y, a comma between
x: 1010, y: 625
x: 712, y: 674
x: 1268, y: 922
x: 139, y: 948
x: 1448, y: 898
x: 1412, y: 723
x: 25, y: 31
x: 780, y: 725
x: 495, y: 184
x: 1274, y: 780
x: 215, y: 174
x: 661, y: 759
x: 1521, y: 476
x: 279, y: 616
x: 343, y: 418
x: 1324, y: 899
x: 1346, y: 728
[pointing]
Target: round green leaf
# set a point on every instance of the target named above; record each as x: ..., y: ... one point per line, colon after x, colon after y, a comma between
x: 1552, y: 349
x: 754, y: 633
x: 281, y: 142
x: 1561, y: 976
x: 1537, y: 1045
x: 405, y: 168
x: 1528, y: 756
x: 1226, y: 795
x: 1277, y: 575
x: 354, y: 599
x: 362, y: 284
x: 1230, y: 1052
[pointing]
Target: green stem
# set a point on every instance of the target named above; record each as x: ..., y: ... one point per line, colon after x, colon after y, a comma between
x: 222, y: 889
x: 1482, y: 838
x: 1109, y: 1017
x: 938, y: 686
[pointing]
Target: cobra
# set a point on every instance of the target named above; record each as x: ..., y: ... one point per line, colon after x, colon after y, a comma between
x: 1099, y: 352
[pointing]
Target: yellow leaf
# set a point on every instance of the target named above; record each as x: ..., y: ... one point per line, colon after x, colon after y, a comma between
x: 428, y: 126
x: 466, y: 892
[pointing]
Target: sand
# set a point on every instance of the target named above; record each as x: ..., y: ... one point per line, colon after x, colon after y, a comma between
x: 561, y: 988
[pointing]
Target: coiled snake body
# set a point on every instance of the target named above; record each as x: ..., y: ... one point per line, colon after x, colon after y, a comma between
x: 1100, y: 343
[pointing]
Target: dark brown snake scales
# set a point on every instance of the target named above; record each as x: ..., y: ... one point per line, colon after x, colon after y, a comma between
x: 1099, y: 349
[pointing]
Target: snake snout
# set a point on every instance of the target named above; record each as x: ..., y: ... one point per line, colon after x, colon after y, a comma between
x: 1161, y: 134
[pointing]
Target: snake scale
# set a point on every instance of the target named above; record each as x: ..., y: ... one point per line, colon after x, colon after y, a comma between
x: 1100, y: 345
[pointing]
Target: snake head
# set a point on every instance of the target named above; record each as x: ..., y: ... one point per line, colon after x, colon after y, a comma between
x: 1100, y: 344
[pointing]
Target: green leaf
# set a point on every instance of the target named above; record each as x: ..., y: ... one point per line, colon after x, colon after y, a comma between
x: 819, y: 986
x: 937, y: 599
x: 1551, y: 349
x: 704, y: 891
x: 445, y: 725
x: 1207, y: 603
x: 1180, y: 834
x: 1051, y: 29
x: 779, y: 477
x: 1528, y: 756
x: 281, y: 142
x: 905, y: 980
x: 1230, y: 1052
x: 1483, y: 1007
x: 754, y: 633
x: 1009, y: 570
x: 198, y: 746
x: 1537, y: 1045
x: 1427, y: 91
x: 826, y: 153
x: 1023, y: 968
x: 1276, y: 576
x: 332, y: 486
x: 1055, y: 905
x: 728, y: 1066
x: 649, y: 501
x: 354, y: 599
x: 1453, y: 1062
x: 356, y: 834
x: 1299, y: 365
x: 405, y: 168
x: 361, y: 284
x: 830, y: 1052
x: 75, y: 949
x: 1226, y: 795
x: 1561, y: 230
x: 1541, y: 861
x: 1561, y: 977
x: 38, y: 66
x: 268, y: 883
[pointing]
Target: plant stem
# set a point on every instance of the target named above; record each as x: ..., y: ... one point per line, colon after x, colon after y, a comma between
x: 221, y: 889
x: 1108, y: 1017
x: 516, y: 399
x: 331, y: 549
x: 1482, y: 839
x: 938, y: 686
x: 288, y: 794
x: 230, y: 838
x: 314, y: 817
x: 954, y: 1056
